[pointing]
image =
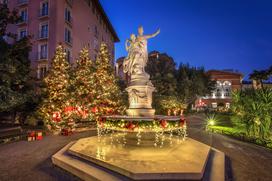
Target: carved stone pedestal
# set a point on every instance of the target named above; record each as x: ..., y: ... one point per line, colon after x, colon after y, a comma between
x: 140, y: 100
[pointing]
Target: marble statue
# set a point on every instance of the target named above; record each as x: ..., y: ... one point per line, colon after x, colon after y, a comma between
x: 137, y: 57
x: 140, y: 87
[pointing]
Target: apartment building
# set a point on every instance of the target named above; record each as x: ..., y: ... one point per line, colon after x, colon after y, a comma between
x: 73, y: 23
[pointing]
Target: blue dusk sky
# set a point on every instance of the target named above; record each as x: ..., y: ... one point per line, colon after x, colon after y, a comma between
x: 216, y: 34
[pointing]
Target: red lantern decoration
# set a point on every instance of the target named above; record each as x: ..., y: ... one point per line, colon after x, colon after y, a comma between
x: 164, y: 123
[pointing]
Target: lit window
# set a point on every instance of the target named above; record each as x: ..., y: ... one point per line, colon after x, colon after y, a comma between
x: 227, y: 105
x: 214, y: 105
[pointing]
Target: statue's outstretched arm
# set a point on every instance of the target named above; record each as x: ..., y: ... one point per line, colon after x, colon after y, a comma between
x: 153, y: 35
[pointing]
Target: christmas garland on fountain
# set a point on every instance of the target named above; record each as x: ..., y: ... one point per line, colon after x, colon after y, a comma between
x: 142, y: 125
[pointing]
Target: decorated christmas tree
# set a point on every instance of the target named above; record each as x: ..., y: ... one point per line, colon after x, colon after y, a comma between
x: 108, y: 94
x: 83, y: 86
x: 54, y: 106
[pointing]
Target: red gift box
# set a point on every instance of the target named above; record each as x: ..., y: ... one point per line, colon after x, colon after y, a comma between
x: 66, y: 132
x: 39, y: 135
x: 31, y: 136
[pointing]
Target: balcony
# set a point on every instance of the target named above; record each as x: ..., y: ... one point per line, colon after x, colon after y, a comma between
x: 69, y: 21
x: 69, y: 2
x: 22, y: 22
x: 43, y: 35
x: 69, y: 41
x: 22, y: 2
x: 42, y: 56
x: 43, y: 13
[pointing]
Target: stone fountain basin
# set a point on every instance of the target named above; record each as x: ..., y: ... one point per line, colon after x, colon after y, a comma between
x: 186, y: 159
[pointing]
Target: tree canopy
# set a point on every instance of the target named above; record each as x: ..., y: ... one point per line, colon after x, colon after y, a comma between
x: 15, y: 88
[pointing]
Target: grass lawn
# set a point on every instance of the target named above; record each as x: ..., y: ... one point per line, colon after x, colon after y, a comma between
x: 224, y: 125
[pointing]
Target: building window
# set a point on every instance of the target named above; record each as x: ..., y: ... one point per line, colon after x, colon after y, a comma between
x: 43, y: 54
x: 68, y: 55
x: 44, y: 30
x: 68, y: 36
x: 42, y: 71
x: 23, y: 15
x: 96, y: 33
x: 22, y: 33
x: 227, y: 105
x: 93, y: 9
x: 214, y: 105
x: 96, y: 46
x: 89, y: 3
x: 68, y: 16
x: 44, y: 8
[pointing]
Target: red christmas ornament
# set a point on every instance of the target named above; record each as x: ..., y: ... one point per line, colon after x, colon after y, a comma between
x: 164, y: 123
x: 182, y: 121
x: 56, y: 116
x: 69, y: 109
x: 94, y: 110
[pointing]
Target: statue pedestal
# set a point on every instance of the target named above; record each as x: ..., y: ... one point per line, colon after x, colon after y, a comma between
x: 140, y: 112
x: 140, y: 100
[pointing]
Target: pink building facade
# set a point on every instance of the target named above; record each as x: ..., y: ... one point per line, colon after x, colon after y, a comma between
x: 73, y: 23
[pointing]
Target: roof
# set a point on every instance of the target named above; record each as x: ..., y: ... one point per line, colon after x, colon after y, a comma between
x: 104, y: 15
x: 224, y: 72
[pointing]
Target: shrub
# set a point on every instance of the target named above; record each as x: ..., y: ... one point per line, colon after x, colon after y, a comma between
x: 253, y: 108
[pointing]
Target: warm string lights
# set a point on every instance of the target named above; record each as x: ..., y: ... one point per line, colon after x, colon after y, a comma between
x: 84, y: 92
x: 162, y: 129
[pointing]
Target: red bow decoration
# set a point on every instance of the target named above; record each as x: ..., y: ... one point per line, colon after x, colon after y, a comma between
x: 164, y: 123
x: 182, y: 121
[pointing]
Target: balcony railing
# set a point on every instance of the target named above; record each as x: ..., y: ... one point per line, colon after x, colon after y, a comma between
x: 43, y: 13
x: 42, y: 55
x: 43, y: 35
x: 22, y: 21
x: 69, y: 41
x: 69, y: 21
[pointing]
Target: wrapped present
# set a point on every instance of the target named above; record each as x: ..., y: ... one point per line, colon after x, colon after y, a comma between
x: 31, y: 136
x: 39, y: 135
x: 66, y: 132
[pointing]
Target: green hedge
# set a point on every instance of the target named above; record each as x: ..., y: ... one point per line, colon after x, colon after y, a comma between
x: 240, y: 134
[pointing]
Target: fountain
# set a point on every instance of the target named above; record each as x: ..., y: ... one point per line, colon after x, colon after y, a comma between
x: 140, y: 145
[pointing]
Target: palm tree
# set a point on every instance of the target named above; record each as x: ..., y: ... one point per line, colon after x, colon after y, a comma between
x: 259, y: 76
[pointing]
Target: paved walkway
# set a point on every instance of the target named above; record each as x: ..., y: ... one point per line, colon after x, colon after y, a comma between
x: 32, y: 160
x: 245, y: 161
